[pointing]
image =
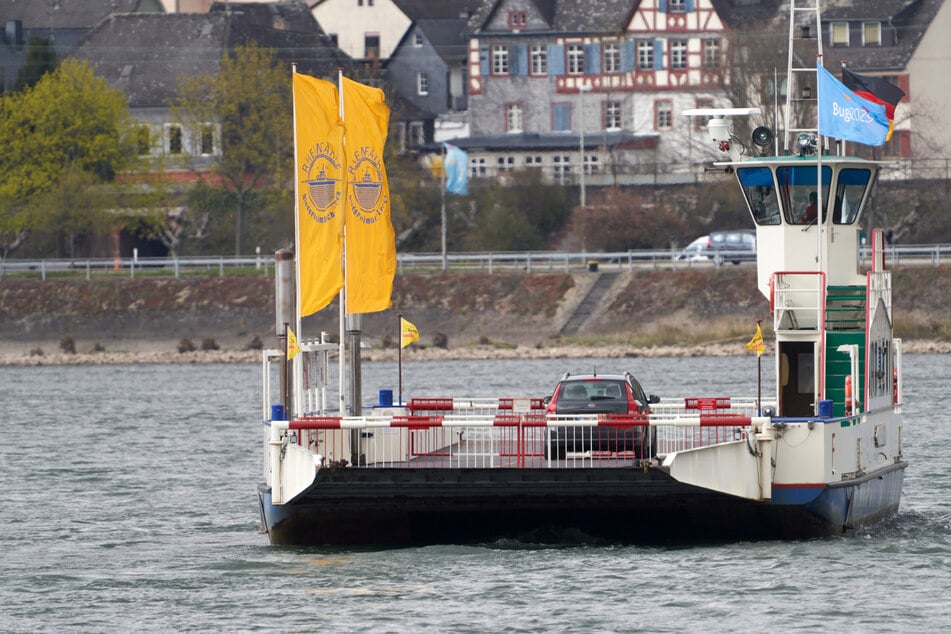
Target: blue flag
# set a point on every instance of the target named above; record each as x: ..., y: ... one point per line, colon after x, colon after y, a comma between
x: 844, y: 115
x: 457, y: 170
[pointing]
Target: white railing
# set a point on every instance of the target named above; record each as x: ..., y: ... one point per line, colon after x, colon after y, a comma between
x: 489, y: 262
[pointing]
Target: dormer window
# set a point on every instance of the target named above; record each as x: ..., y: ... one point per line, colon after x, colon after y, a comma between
x: 840, y: 34
x: 872, y: 34
x: 518, y: 20
x: 677, y: 6
x: 418, y: 40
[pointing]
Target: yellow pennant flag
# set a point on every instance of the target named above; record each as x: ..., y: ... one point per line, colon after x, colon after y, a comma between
x: 756, y: 343
x: 408, y: 333
x: 319, y: 177
x: 371, y: 243
x: 292, y: 346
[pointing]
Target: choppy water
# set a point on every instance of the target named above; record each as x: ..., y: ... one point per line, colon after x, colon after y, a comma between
x: 129, y: 505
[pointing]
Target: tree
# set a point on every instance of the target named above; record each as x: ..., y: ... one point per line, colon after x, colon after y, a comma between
x: 40, y: 59
x: 71, y: 130
x: 250, y: 99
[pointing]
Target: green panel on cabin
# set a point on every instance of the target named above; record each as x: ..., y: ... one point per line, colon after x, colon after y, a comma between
x: 838, y: 367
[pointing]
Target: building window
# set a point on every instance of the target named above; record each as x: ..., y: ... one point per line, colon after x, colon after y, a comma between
x: 645, y: 54
x: 575, y: 59
x: 677, y: 6
x: 371, y: 45
x: 500, y: 59
x: 562, y: 168
x: 678, y: 54
x: 711, y: 53
x: 612, y: 115
x: 478, y: 166
x: 513, y: 117
x: 612, y: 57
x: 872, y: 34
x: 506, y: 163
x: 518, y: 20
x: 207, y: 139
x: 143, y: 140
x: 533, y: 161
x: 418, y: 40
x: 700, y: 123
x: 174, y: 139
x: 840, y: 34
x: 422, y: 84
x: 539, y: 60
x: 416, y: 136
x: 333, y: 39
x: 664, y: 115
x: 591, y: 164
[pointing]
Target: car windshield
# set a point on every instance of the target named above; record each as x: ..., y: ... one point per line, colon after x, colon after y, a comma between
x: 593, y: 390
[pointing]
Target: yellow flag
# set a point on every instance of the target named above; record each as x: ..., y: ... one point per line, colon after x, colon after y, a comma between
x: 408, y: 333
x: 371, y: 243
x: 320, y: 183
x: 292, y: 346
x: 756, y: 343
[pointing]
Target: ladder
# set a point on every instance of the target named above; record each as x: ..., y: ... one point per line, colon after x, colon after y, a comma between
x: 805, y: 27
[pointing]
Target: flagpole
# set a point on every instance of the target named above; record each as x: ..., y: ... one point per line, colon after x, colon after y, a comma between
x: 297, y: 251
x: 759, y: 374
x: 341, y: 369
x: 445, y: 156
x: 399, y: 363
x: 820, y: 216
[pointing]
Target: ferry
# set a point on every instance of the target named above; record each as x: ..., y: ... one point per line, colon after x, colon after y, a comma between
x: 819, y: 453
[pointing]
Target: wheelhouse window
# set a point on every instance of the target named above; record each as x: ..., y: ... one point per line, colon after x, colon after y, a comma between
x: 645, y: 54
x: 500, y: 59
x: 849, y: 192
x: 539, y: 60
x: 840, y: 34
x: 798, y: 193
x: 575, y: 59
x: 760, y: 191
x: 678, y: 54
x: 612, y: 57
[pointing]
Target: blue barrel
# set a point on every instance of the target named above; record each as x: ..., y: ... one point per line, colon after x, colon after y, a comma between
x: 277, y: 412
x: 825, y: 409
x: 386, y: 398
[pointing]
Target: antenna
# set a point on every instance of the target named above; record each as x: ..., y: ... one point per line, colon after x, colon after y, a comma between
x: 720, y: 128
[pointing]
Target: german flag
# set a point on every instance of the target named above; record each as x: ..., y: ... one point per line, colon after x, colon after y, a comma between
x: 875, y: 89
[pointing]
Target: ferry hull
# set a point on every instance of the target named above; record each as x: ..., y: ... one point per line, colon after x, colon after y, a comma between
x: 400, y: 506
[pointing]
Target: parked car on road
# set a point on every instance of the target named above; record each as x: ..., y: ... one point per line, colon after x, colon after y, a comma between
x: 601, y: 394
x: 738, y: 245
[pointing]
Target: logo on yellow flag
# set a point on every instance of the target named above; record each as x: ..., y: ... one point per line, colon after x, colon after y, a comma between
x: 756, y: 343
x: 408, y: 333
x: 292, y: 346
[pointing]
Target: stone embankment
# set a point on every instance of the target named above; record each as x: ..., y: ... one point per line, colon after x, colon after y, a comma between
x: 683, y: 312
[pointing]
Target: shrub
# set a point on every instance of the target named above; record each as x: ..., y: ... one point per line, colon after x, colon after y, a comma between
x: 36, y: 352
x: 440, y: 340
x: 208, y: 343
x: 186, y: 345
x: 67, y: 345
x: 255, y: 343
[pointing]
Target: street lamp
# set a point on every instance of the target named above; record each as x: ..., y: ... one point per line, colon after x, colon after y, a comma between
x: 582, y: 89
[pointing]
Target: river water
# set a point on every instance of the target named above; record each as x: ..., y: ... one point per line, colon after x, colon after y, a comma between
x: 129, y: 505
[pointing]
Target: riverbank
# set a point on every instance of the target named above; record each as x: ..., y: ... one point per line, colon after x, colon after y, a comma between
x: 161, y: 353
x: 702, y: 311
